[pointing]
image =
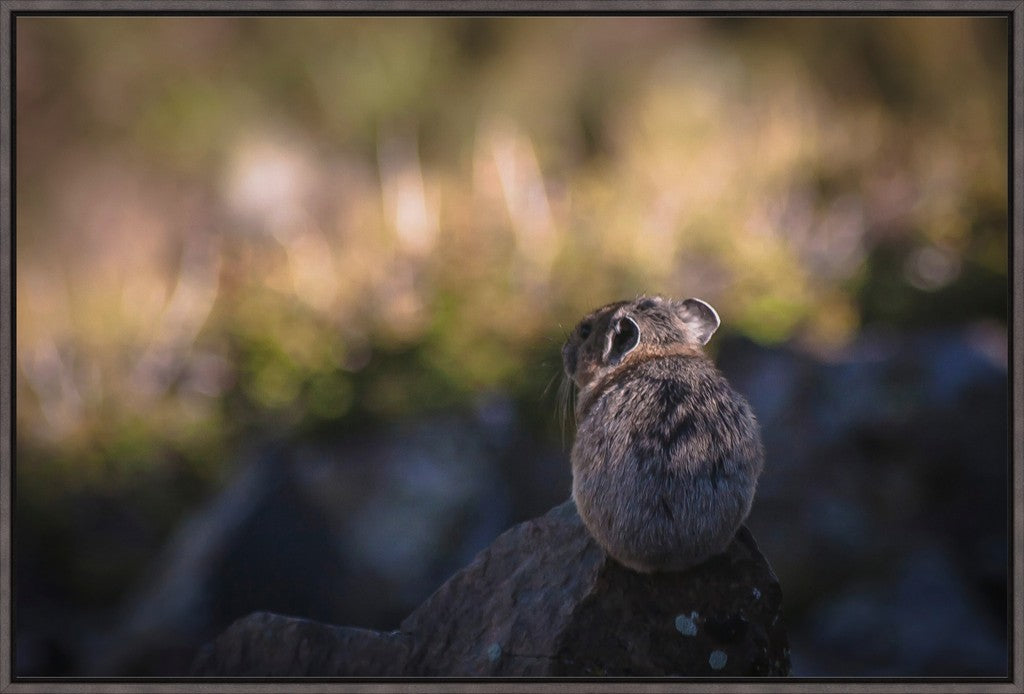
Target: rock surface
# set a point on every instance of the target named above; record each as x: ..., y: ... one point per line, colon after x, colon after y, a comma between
x: 542, y: 600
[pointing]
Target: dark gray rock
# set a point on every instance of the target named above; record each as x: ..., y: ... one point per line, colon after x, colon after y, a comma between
x: 270, y: 645
x: 357, y: 532
x: 543, y: 600
x: 886, y: 461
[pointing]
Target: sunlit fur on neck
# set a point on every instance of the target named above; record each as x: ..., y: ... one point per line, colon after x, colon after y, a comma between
x: 589, y: 393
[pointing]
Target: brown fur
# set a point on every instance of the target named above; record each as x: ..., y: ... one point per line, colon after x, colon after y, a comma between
x: 667, y: 455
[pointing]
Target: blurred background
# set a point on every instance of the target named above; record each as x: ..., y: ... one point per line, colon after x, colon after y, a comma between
x: 291, y: 294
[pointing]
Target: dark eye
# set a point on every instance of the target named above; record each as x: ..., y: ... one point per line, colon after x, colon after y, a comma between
x: 584, y: 330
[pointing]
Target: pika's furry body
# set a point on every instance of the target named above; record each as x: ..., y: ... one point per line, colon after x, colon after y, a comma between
x: 667, y: 454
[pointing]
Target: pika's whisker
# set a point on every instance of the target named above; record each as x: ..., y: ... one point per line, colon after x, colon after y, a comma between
x: 551, y: 382
x: 566, y: 395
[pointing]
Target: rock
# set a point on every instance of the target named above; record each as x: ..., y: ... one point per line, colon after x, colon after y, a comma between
x: 894, y: 446
x: 543, y: 600
x: 269, y: 645
x: 357, y: 532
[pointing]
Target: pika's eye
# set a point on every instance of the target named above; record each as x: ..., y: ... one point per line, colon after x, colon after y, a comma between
x: 584, y: 330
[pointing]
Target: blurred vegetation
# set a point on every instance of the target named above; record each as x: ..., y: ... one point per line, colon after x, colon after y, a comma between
x: 232, y: 228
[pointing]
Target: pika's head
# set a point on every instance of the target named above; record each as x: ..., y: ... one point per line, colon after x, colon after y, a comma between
x: 620, y: 333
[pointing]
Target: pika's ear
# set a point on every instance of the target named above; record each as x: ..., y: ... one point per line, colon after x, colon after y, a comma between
x: 622, y: 339
x: 701, y: 318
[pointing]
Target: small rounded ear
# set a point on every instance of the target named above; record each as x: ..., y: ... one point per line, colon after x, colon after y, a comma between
x: 701, y: 318
x: 622, y: 339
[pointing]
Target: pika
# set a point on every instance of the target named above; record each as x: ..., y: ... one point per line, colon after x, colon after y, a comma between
x: 667, y: 455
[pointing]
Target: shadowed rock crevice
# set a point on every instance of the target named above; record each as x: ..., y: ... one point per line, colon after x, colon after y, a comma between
x: 542, y: 600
